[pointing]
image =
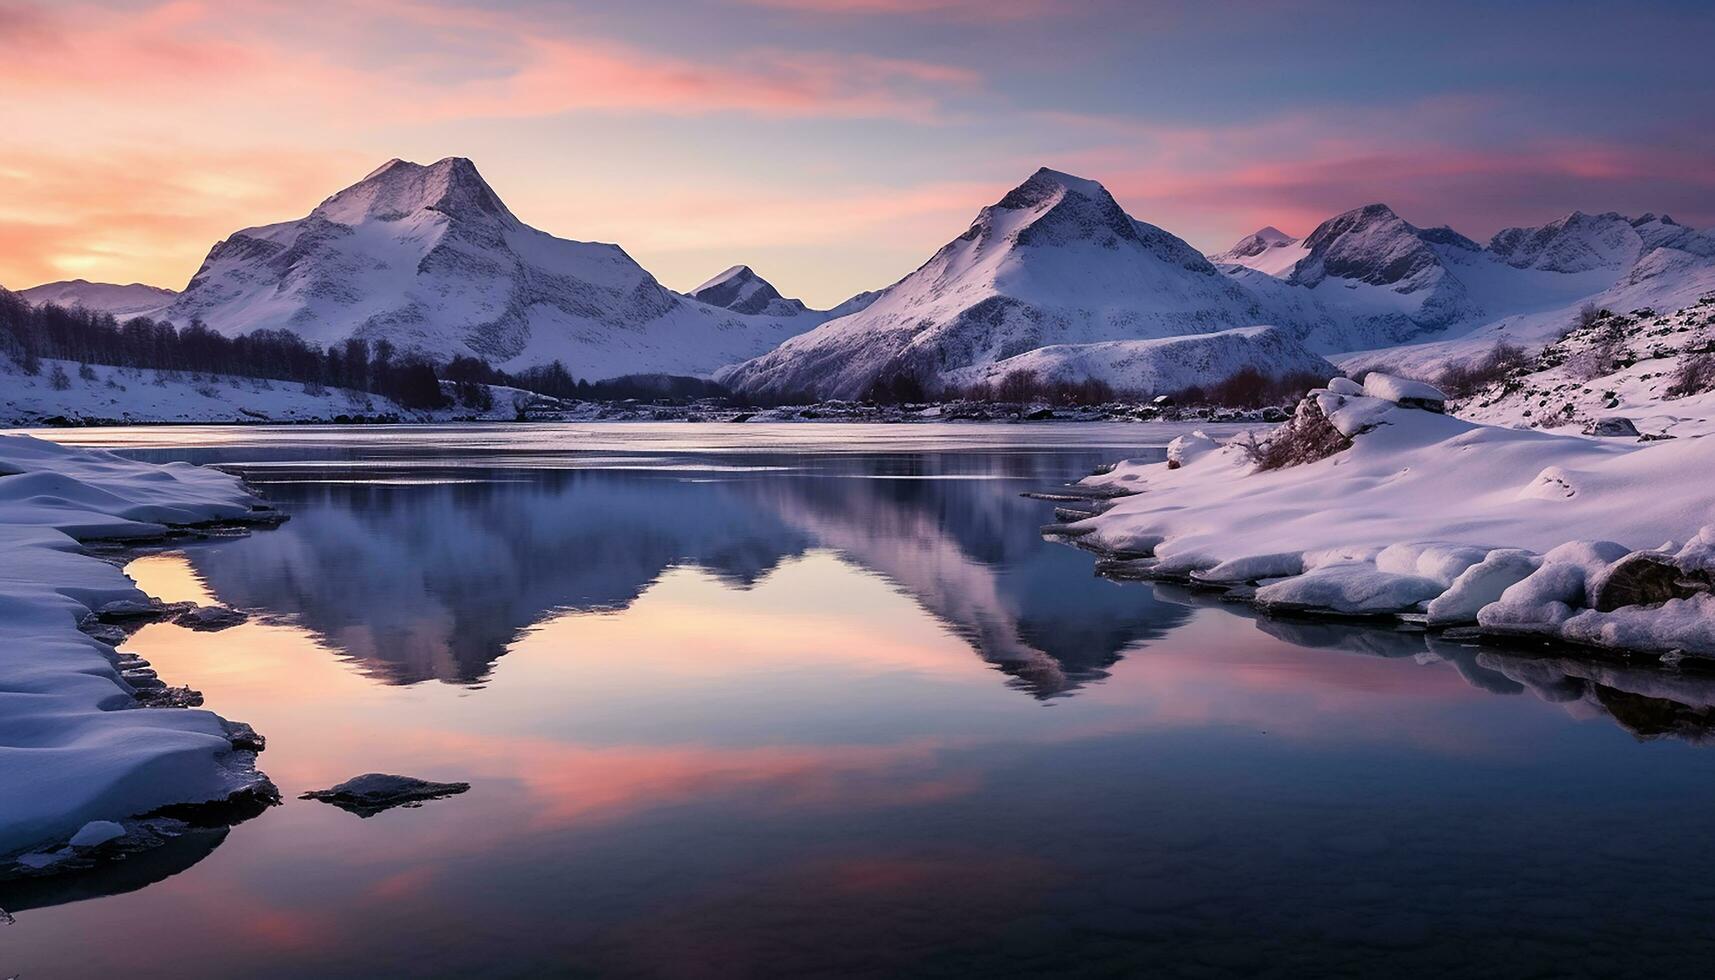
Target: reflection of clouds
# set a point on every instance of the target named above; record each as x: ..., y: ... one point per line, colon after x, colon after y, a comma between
x: 568, y: 783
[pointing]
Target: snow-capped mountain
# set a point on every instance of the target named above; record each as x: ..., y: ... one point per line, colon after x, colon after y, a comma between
x: 741, y: 290
x: 1528, y: 282
x: 1388, y: 276
x: 429, y: 258
x: 1054, y: 262
x: 1583, y: 242
x: 134, y: 299
x: 1269, y: 250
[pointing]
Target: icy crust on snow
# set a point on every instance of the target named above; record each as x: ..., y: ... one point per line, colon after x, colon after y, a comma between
x: 74, y: 745
x: 1426, y: 514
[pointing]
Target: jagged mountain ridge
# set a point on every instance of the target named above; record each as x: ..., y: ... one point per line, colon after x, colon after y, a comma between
x: 1399, y: 283
x: 430, y: 258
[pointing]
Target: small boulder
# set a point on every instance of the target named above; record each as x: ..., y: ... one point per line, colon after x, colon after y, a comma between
x: 1616, y: 426
x: 373, y: 792
x: 1345, y: 386
x: 209, y: 619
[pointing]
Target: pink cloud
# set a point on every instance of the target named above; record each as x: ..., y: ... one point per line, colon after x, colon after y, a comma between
x: 1429, y: 161
x: 558, y: 75
x: 171, y: 60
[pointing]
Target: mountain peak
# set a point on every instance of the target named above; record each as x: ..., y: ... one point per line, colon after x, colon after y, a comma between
x: 1370, y: 244
x: 741, y: 290
x: 1256, y: 243
x: 1046, y: 184
x: 399, y: 188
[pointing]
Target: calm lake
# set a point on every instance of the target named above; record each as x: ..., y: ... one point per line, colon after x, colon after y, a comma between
x: 817, y: 700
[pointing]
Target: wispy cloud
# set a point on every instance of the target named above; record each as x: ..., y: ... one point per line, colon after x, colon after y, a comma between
x: 961, y: 9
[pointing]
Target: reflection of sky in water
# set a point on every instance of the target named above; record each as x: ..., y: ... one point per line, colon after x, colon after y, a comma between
x: 783, y: 724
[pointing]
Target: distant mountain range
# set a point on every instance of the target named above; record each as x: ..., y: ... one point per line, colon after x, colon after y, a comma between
x: 1055, y: 277
x: 131, y: 300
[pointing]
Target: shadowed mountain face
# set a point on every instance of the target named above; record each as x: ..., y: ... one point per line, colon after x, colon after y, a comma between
x: 434, y: 580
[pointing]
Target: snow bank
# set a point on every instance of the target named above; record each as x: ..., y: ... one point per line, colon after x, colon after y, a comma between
x: 1427, y: 514
x: 102, y: 394
x: 74, y: 746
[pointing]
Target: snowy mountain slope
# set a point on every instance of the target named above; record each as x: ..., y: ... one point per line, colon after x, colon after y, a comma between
x: 743, y: 291
x: 1616, y: 366
x: 429, y: 258
x: 856, y: 304
x: 1269, y: 250
x: 1169, y: 364
x: 1664, y: 279
x: 135, y: 299
x: 1056, y: 261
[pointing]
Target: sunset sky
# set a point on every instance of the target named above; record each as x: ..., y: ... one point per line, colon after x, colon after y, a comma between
x: 833, y: 144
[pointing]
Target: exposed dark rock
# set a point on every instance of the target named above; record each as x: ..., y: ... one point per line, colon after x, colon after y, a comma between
x: 209, y: 619
x: 1645, y: 578
x: 373, y: 792
x: 1612, y: 425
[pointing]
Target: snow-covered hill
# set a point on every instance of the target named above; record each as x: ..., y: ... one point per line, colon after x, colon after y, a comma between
x: 135, y: 299
x: 1372, y: 502
x: 429, y: 258
x: 1656, y: 372
x: 1169, y: 364
x: 98, y: 394
x: 1054, y: 262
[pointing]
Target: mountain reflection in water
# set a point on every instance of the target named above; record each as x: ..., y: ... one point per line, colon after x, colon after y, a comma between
x: 433, y: 581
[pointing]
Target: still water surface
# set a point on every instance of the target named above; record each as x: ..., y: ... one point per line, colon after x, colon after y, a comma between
x: 817, y: 700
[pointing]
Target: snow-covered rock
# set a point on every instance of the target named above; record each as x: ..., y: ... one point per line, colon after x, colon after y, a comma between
x: 430, y: 259
x: 68, y: 756
x: 134, y: 299
x: 1404, y: 391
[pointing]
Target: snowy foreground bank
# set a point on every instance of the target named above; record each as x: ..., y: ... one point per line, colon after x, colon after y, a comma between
x: 85, y: 766
x: 1370, y: 501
